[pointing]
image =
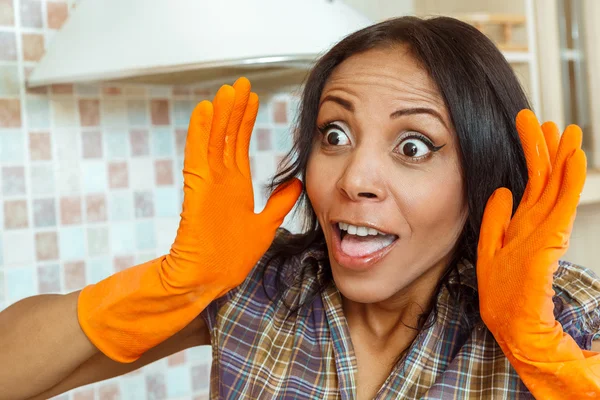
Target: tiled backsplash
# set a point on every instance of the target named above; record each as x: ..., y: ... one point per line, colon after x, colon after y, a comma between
x: 91, y: 183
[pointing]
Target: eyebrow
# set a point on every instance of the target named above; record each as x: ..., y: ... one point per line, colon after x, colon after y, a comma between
x: 396, y: 114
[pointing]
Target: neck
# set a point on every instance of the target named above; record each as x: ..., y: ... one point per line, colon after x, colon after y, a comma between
x: 393, y: 324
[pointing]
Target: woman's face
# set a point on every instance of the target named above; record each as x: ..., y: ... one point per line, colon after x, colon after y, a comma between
x: 385, y: 162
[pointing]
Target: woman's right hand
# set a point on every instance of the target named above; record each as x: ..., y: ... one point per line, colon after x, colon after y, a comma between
x: 220, y: 238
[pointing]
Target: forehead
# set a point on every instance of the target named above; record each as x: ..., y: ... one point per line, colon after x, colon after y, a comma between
x: 391, y: 71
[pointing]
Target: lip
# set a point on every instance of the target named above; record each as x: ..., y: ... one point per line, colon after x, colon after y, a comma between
x: 356, y: 263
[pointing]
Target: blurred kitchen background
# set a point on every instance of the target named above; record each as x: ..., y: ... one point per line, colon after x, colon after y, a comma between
x: 91, y: 152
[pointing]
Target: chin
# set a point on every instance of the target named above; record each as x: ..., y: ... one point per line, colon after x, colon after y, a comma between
x: 362, y: 288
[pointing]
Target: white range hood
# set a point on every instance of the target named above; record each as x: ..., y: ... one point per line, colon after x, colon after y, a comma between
x: 189, y: 41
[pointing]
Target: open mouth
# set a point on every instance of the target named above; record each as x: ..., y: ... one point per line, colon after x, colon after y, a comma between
x: 361, y: 241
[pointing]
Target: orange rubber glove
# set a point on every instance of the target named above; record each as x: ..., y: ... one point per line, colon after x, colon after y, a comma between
x: 517, y: 259
x: 218, y: 242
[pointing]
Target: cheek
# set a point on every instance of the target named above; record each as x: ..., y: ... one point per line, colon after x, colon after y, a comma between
x: 437, y: 208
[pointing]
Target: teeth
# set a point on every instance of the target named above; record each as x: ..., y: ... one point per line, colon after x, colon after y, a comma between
x: 359, y: 230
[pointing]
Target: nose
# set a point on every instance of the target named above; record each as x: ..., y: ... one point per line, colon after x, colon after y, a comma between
x: 363, y: 178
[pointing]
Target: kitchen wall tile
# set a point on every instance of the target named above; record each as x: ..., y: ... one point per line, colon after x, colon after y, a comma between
x: 156, y: 386
x: 182, y: 110
x: 46, y: 246
x: 18, y: 248
x: 120, y: 206
x: 48, y: 277
x: 263, y: 137
x: 15, y: 214
x: 87, y: 90
x: 20, y: 283
x: 141, y: 171
x: 109, y: 391
x: 58, y: 12
x: 66, y: 141
x: 72, y: 243
x: 9, y: 80
x: 166, y: 230
x: 13, y: 181
x: 140, y: 142
x: 111, y: 91
x: 94, y: 175
x: 64, y: 112
x: 7, y: 13
x: 279, y: 112
x: 283, y: 139
x: 91, y: 144
x: 62, y: 88
x: 74, y: 273
x: 181, y: 91
x: 178, y: 381
x: 163, y: 170
x: 159, y: 111
x: 145, y: 235
x: 89, y: 112
x: 262, y: 117
x: 31, y: 13
x: 177, y: 359
x: 12, y: 145
x: 68, y: 176
x: 39, y: 146
x: 33, y: 46
x: 114, y: 113
x: 99, y: 269
x: 180, y: 137
x: 70, y: 210
x: 159, y: 91
x: 144, y: 204
x: 84, y: 394
x: 8, y: 46
x: 117, y: 143
x: 133, y: 386
x: 10, y: 110
x: 122, y: 237
x: 2, y: 292
x: 95, y: 208
x: 44, y: 213
x: 123, y: 262
x: 144, y: 257
x: 97, y: 241
x: 162, y: 142
x: 137, y: 112
x: 42, y: 180
x: 166, y: 201
x: 118, y: 175
x: 200, y: 377
x: 38, y: 112
x: 135, y: 91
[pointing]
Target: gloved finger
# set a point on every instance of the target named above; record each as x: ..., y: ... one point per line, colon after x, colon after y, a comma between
x: 495, y: 222
x: 222, y: 105
x: 569, y: 142
x: 536, y: 154
x: 552, y: 136
x: 563, y: 213
x: 242, y: 92
x: 196, y: 142
x: 244, y: 135
x: 281, y: 202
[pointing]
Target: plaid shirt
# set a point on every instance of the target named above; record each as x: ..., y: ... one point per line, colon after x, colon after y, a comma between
x: 261, y: 351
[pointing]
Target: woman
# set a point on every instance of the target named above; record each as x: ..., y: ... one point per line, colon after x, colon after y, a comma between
x: 408, y: 282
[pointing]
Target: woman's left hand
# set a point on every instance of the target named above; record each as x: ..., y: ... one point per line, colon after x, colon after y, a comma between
x: 518, y: 256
